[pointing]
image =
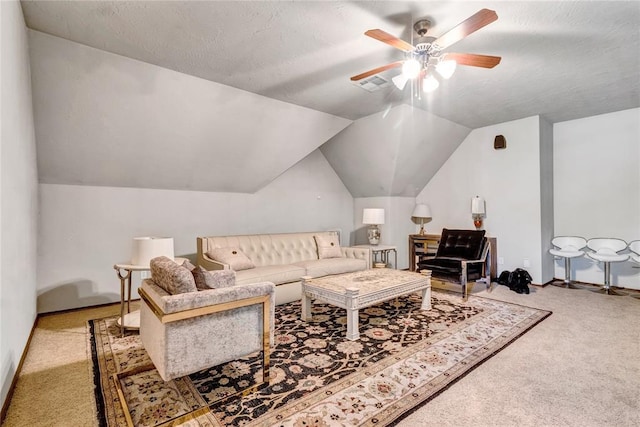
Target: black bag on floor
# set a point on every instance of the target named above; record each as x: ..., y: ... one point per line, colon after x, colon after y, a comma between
x: 517, y: 280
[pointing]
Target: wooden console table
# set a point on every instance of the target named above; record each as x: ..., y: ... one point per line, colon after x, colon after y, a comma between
x: 426, y: 246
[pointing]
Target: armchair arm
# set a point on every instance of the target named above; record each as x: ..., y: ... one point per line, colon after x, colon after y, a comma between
x: 165, y: 303
x: 357, y: 253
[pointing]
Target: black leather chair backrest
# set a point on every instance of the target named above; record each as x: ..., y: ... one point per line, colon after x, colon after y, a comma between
x: 465, y: 244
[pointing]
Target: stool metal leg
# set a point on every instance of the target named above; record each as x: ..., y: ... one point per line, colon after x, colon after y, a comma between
x: 567, y: 276
x: 607, y: 283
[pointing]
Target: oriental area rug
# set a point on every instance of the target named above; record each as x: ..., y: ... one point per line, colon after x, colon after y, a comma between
x: 403, y: 358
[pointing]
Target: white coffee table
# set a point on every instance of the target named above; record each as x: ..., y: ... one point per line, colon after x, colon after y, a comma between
x: 353, y: 291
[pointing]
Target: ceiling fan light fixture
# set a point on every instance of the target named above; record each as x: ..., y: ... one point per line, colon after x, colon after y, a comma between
x: 400, y: 81
x: 446, y: 68
x: 429, y: 84
x: 411, y: 68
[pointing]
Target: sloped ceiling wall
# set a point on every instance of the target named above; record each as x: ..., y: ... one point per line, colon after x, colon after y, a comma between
x: 106, y: 120
x: 394, y: 153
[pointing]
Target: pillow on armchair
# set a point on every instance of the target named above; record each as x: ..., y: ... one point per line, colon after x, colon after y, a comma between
x: 213, y: 279
x: 173, y: 278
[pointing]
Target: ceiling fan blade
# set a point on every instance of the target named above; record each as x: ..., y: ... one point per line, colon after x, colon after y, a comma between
x: 466, y: 27
x: 377, y: 70
x: 389, y: 39
x: 474, y: 60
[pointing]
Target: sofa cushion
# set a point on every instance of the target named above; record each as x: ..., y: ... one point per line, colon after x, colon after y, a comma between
x: 271, y: 273
x: 325, y: 267
x: 328, y: 246
x: 234, y: 257
x: 173, y: 278
x: 213, y: 279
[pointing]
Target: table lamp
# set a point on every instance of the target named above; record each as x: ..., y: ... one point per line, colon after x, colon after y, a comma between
x: 421, y: 214
x: 373, y: 217
x: 477, y: 211
x: 147, y: 248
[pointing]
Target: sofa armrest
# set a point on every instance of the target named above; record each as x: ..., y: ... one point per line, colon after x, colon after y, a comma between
x: 204, y: 260
x: 166, y: 303
x: 357, y: 253
x: 210, y: 264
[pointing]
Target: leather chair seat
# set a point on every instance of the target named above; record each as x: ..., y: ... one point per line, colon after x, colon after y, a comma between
x: 451, y: 266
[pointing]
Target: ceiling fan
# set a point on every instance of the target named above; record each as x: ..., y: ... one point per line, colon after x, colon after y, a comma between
x: 428, y: 53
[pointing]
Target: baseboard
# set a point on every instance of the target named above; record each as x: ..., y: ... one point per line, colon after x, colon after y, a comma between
x: 14, y: 380
x: 542, y: 285
x: 71, y: 310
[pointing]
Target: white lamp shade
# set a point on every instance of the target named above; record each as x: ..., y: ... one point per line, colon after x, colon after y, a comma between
x: 429, y: 84
x: 373, y: 216
x: 446, y: 68
x: 147, y: 248
x: 400, y: 81
x: 411, y: 68
x: 477, y: 206
x: 421, y: 211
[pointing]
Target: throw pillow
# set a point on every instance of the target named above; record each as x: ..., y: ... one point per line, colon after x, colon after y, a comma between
x: 234, y: 257
x: 213, y: 279
x: 187, y: 264
x: 173, y: 278
x: 328, y: 246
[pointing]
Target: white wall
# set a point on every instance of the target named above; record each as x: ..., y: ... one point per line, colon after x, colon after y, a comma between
x: 546, y: 198
x: 84, y: 230
x: 597, y: 187
x: 18, y: 196
x: 396, y: 228
x: 393, y: 153
x: 509, y: 181
x: 106, y: 120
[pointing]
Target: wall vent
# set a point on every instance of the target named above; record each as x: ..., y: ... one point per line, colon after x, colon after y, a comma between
x: 372, y: 83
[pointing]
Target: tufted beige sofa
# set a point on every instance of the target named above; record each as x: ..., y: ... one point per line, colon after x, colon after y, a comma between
x: 283, y: 259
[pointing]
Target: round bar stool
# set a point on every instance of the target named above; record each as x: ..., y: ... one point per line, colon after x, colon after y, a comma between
x: 634, y: 247
x: 568, y: 247
x: 606, y: 251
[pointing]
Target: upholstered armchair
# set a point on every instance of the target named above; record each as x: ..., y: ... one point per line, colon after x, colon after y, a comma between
x: 462, y: 256
x: 193, y: 329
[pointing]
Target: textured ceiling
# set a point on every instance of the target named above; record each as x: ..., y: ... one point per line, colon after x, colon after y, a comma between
x: 562, y: 59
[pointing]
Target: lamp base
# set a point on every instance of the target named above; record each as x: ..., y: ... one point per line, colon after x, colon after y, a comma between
x: 477, y: 222
x: 374, y: 235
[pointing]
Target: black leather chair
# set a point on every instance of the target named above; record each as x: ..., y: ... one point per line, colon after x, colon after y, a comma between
x: 461, y: 257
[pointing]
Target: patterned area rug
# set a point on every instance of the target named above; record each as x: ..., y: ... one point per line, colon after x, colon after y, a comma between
x: 404, y: 358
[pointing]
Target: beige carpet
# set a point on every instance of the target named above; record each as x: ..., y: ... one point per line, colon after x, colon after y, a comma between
x: 580, y: 367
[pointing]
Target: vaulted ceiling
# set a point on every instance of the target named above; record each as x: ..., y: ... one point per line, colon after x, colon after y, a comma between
x: 562, y: 60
